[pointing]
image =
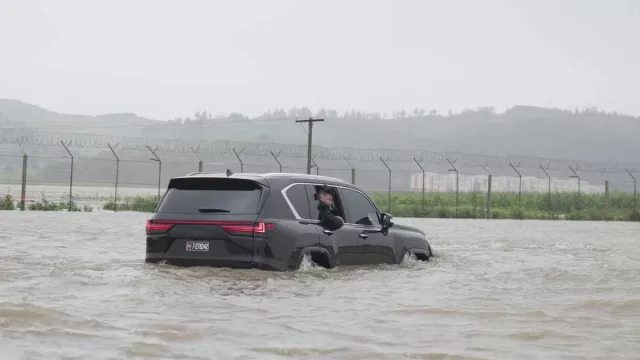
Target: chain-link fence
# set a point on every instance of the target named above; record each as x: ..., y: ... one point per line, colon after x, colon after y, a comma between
x: 93, y: 171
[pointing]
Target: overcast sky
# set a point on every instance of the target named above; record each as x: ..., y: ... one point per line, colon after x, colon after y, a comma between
x: 165, y: 59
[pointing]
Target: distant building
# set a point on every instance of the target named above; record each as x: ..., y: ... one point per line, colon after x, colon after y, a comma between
x: 435, y: 182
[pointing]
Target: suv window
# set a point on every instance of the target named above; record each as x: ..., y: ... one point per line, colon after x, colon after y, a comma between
x: 313, y: 202
x: 297, y: 195
x: 312, y: 191
x: 211, y: 195
x: 358, y: 208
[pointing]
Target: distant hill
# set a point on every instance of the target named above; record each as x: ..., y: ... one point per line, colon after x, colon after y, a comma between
x: 587, y: 134
x: 19, y: 114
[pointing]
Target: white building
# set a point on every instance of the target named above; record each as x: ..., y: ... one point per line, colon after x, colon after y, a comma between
x: 435, y: 182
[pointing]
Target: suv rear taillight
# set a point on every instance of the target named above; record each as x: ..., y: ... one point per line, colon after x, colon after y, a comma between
x: 153, y: 226
x: 236, y: 227
x: 247, y: 228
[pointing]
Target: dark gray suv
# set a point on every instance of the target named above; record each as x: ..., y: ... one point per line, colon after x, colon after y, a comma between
x: 272, y: 221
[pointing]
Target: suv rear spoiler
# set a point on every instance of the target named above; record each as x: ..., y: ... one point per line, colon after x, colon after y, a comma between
x: 222, y: 176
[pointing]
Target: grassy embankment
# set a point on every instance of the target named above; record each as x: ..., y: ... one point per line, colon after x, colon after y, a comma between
x: 505, y: 206
x: 473, y: 206
x: 470, y: 206
x: 7, y: 203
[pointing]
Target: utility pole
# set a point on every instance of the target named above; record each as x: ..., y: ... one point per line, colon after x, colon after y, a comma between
x: 310, y: 121
x: 576, y: 176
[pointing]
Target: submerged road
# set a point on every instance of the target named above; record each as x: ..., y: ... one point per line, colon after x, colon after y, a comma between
x: 74, y: 286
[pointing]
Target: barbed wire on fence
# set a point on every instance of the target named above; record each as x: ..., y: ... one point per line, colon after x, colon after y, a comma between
x: 23, y: 137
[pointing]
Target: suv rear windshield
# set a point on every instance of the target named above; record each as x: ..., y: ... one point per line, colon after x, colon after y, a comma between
x: 211, y: 195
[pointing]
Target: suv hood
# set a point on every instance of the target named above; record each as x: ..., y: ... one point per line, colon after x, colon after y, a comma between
x: 409, y: 228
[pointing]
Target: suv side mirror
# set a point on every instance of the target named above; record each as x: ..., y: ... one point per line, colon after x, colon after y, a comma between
x: 386, y: 221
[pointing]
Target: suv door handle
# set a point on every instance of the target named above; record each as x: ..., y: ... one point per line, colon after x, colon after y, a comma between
x: 328, y: 232
x: 363, y: 235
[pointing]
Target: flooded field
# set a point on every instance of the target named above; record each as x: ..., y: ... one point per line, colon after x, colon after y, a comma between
x: 74, y: 286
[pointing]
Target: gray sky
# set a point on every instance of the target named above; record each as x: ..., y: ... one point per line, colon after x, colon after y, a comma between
x: 164, y: 59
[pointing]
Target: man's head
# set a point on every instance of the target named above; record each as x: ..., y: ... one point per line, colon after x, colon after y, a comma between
x: 325, y: 195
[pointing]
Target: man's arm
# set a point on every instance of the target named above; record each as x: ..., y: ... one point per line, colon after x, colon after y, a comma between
x: 327, y: 219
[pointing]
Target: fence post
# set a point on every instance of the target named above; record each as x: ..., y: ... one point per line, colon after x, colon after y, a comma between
x: 488, y: 212
x: 544, y: 169
x: 606, y: 196
x: 23, y: 190
x: 353, y: 170
x: 115, y: 193
x: 423, y: 179
x: 634, y: 193
x: 66, y: 147
x: 606, y: 193
x: 239, y: 159
x: 276, y: 158
x: 453, y: 168
x: 315, y: 165
x: 156, y: 158
x: 576, y: 176
x: 389, y: 193
x: 489, y: 197
x: 515, y: 168
x: 200, y: 163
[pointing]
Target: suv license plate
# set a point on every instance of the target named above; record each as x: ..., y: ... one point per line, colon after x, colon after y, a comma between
x: 197, y: 246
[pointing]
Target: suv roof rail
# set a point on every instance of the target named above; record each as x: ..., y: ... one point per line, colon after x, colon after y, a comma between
x: 311, y: 176
x: 271, y: 174
x: 198, y: 173
x: 219, y: 173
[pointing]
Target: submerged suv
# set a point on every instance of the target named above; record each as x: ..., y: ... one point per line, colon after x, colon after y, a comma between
x: 271, y: 222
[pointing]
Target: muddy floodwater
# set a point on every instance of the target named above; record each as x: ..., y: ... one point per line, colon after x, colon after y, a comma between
x: 74, y: 286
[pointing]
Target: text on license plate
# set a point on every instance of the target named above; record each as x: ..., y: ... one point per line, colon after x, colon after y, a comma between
x: 197, y: 246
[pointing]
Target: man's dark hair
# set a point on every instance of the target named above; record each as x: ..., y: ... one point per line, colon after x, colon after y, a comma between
x: 324, y: 189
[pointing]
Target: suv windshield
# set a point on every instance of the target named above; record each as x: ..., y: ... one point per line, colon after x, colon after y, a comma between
x: 211, y: 195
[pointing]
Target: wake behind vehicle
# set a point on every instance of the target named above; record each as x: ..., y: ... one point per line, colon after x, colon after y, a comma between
x: 271, y: 221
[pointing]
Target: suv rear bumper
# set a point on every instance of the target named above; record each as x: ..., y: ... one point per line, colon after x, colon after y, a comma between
x: 260, y: 263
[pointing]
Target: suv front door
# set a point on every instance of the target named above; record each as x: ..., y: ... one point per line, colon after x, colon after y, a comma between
x: 344, y: 241
x: 363, y: 219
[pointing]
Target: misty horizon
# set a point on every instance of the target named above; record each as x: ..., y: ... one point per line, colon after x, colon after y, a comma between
x: 396, y: 114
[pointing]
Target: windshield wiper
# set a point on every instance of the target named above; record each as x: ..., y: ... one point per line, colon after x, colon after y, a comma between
x: 213, y: 210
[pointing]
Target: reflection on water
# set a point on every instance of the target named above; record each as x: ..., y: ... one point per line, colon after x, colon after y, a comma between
x: 75, y: 286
